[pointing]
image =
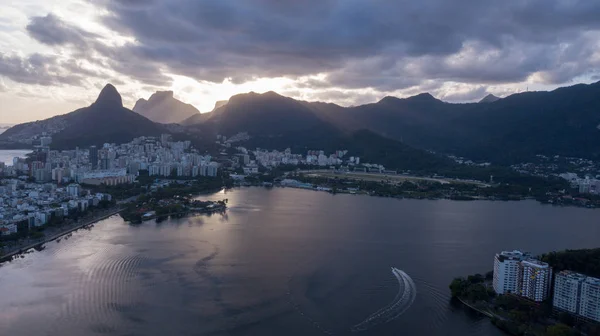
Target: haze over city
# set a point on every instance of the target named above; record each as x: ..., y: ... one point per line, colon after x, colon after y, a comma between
x: 55, y: 55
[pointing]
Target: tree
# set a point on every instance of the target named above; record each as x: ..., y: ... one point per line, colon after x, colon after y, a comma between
x: 559, y: 330
x: 476, y: 292
x: 457, y: 286
x: 566, y: 318
x: 477, y: 278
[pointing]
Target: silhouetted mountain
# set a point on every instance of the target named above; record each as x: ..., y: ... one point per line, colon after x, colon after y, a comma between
x: 489, y: 99
x: 197, y: 119
x: 513, y: 129
x: 278, y: 122
x: 106, y: 120
x: 220, y: 103
x: 202, y: 117
x: 265, y: 115
x: 163, y: 108
x: 564, y: 122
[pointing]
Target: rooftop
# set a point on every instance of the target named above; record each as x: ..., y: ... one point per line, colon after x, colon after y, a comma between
x: 535, y: 263
x: 512, y: 255
x: 593, y: 281
x: 572, y: 275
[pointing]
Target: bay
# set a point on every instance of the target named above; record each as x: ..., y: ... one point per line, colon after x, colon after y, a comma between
x: 7, y: 155
x: 279, y: 262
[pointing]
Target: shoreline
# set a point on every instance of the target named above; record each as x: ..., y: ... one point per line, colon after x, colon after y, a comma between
x: 488, y: 314
x: 9, y: 256
x: 184, y: 213
x: 403, y: 197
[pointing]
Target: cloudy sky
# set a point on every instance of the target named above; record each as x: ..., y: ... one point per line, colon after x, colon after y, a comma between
x: 55, y: 55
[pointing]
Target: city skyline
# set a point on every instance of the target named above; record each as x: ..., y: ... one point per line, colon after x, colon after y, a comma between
x: 55, y: 54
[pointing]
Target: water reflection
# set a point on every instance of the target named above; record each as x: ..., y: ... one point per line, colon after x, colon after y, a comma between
x: 281, y: 261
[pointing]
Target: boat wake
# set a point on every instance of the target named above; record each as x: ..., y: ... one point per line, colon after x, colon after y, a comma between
x: 407, y: 292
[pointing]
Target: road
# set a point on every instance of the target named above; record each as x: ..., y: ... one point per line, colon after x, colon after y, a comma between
x: 52, y: 234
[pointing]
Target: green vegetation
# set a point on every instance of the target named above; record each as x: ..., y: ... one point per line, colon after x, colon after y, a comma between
x: 585, y: 261
x: 472, y: 288
x: 176, y: 199
x: 118, y: 192
x: 422, y: 189
x: 520, y: 317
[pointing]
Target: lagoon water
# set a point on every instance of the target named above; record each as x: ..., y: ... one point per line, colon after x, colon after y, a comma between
x: 280, y: 262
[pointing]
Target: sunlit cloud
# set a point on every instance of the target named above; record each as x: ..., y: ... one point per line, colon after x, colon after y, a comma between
x: 56, y: 54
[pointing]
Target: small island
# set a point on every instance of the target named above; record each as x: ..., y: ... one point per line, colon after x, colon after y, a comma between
x: 176, y: 198
x: 518, y: 315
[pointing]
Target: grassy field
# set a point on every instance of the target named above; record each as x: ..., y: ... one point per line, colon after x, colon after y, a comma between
x: 388, y: 178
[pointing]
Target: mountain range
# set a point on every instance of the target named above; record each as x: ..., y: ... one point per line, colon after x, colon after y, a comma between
x: 565, y: 122
x: 489, y: 99
x: 163, y: 108
x: 106, y: 120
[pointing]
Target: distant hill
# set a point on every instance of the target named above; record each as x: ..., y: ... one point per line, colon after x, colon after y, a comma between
x: 564, y: 122
x: 106, y: 120
x: 163, y: 108
x: 489, y: 99
x: 202, y: 117
x: 269, y: 118
x: 220, y: 103
x: 277, y: 122
x: 513, y: 129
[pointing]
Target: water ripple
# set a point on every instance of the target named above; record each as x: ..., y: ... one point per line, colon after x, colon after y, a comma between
x: 407, y: 292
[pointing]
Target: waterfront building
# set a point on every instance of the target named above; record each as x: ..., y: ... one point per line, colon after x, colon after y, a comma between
x: 534, y: 279
x: 577, y: 294
x: 567, y: 291
x: 589, y: 306
x: 212, y: 169
x: 506, y: 271
x: 516, y: 272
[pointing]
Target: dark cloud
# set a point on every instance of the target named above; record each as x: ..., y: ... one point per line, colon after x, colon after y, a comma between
x: 37, y: 69
x: 51, y: 30
x: 378, y: 43
x: 341, y: 97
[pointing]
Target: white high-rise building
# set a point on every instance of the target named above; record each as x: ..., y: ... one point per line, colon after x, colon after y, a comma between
x: 589, y: 306
x: 212, y: 169
x: 577, y: 294
x: 506, y: 271
x: 567, y: 291
x: 73, y: 190
x: 534, y: 279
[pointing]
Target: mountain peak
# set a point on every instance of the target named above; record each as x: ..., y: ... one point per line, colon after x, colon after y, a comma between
x: 109, y: 96
x: 254, y: 97
x: 220, y: 103
x: 425, y: 96
x: 271, y: 94
x: 163, y: 108
x: 161, y: 95
x: 490, y: 98
x: 387, y: 99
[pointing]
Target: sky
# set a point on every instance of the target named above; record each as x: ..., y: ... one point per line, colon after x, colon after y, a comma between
x: 56, y: 55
